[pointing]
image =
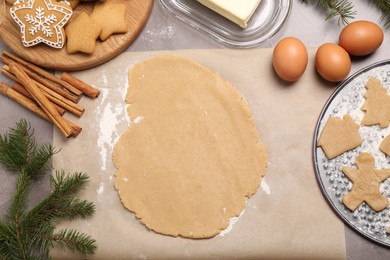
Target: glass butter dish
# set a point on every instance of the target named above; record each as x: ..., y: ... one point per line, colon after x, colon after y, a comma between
x: 268, y: 18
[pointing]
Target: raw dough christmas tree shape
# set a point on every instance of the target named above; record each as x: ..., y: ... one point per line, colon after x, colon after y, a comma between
x: 81, y: 34
x: 111, y: 16
x: 41, y: 21
x: 339, y: 136
x: 377, y: 105
x: 366, y: 180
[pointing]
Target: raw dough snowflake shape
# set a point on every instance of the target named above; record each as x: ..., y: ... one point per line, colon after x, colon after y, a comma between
x: 366, y: 180
x: 41, y: 21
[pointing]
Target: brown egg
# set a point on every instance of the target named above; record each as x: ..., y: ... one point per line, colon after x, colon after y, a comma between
x: 290, y: 59
x: 332, y: 62
x: 361, y: 38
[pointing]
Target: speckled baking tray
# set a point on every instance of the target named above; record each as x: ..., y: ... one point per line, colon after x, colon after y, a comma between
x: 267, y: 20
x: 348, y: 98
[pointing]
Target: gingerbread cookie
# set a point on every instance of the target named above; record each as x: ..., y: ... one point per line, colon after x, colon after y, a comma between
x: 377, y: 104
x: 41, y: 21
x: 339, y: 136
x: 82, y: 33
x: 111, y: 16
x: 366, y: 180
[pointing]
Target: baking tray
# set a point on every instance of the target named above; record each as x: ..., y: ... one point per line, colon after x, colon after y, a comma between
x: 267, y: 20
x: 348, y: 98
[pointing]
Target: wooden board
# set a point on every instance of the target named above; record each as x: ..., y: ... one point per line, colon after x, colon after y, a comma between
x: 137, y: 14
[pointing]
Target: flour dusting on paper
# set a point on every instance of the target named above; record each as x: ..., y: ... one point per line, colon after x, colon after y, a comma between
x: 109, y: 115
x: 232, y: 221
x: 265, y: 187
x: 100, y: 190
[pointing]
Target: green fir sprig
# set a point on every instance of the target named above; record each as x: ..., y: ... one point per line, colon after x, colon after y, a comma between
x: 384, y: 6
x: 30, y: 233
x: 344, y: 11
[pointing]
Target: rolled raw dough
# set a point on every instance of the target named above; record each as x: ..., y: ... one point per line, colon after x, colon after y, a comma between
x: 191, y: 155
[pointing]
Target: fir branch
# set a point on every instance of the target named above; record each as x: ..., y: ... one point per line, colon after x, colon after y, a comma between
x: 19, y: 152
x: 29, y: 234
x: 342, y: 9
x: 384, y: 6
x: 20, y: 198
x: 62, y: 203
x: 14, y: 148
x: 75, y: 241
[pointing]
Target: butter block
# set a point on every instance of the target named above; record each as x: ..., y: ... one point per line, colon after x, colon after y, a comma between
x: 237, y: 11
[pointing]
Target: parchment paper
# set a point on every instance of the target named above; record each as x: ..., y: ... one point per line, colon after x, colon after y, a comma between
x: 287, y: 218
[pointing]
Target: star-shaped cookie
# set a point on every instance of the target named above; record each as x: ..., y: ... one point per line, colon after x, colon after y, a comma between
x: 82, y: 33
x: 41, y: 21
x: 366, y: 180
x: 111, y: 16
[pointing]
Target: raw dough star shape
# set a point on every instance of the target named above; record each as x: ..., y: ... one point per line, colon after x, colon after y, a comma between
x: 366, y: 181
x: 111, y: 17
x: 339, y: 136
x: 377, y: 105
x: 82, y: 33
x: 41, y: 21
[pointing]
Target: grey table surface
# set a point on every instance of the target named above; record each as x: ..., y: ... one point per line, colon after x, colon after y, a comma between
x: 165, y: 32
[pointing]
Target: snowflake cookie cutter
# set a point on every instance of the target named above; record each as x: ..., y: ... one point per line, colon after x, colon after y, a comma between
x: 41, y: 21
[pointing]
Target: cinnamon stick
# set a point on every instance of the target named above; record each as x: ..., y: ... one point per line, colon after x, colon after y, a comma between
x: 32, y: 106
x: 51, y: 95
x: 19, y: 88
x: 43, y: 73
x: 21, y: 99
x: 39, y: 78
x: 22, y: 90
x: 41, y: 99
x: 82, y: 86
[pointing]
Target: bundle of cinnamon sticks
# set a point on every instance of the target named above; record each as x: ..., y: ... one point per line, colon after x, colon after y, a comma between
x: 45, y: 94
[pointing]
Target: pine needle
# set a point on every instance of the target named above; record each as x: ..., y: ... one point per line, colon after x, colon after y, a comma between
x: 344, y: 9
x: 384, y: 6
x: 29, y: 234
x: 75, y: 241
x: 341, y: 9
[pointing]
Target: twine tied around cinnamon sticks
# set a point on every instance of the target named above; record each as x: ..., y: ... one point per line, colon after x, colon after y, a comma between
x: 45, y: 94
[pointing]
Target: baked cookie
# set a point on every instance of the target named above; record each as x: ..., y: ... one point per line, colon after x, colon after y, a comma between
x: 339, y: 136
x: 366, y: 180
x: 377, y: 104
x: 81, y: 34
x: 41, y: 21
x: 111, y: 17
